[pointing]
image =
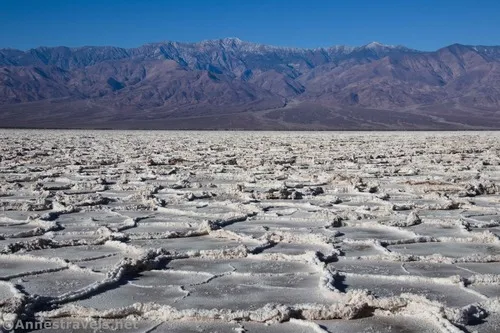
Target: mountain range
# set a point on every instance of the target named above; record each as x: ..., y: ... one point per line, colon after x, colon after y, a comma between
x: 232, y: 84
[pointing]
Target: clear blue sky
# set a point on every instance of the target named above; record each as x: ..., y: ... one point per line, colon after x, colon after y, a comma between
x: 421, y: 24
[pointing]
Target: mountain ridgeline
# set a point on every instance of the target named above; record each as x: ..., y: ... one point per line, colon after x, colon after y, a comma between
x: 232, y: 84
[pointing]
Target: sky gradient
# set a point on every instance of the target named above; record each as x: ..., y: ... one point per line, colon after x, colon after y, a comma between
x: 420, y: 24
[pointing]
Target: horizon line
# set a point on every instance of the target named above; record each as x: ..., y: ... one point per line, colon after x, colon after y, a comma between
x: 238, y: 40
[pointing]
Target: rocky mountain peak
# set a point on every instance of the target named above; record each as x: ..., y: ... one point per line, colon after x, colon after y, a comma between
x: 457, y: 84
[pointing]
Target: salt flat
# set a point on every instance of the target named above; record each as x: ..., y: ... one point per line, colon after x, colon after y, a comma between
x: 251, y: 231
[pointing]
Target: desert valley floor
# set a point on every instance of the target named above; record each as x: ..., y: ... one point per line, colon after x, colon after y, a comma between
x: 253, y: 232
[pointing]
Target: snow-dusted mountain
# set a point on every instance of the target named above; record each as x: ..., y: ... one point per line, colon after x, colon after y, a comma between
x: 232, y: 83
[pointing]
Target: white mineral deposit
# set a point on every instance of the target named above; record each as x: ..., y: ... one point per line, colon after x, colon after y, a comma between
x: 258, y: 232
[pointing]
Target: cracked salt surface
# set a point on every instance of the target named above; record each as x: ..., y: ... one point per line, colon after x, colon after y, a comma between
x: 58, y: 283
x: 251, y: 232
x: 17, y: 265
x: 380, y: 324
x: 190, y: 244
x: 77, y: 253
x: 447, y: 249
x: 242, y: 265
x: 5, y: 292
x: 445, y: 292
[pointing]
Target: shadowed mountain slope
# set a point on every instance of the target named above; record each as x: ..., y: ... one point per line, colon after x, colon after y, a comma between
x: 229, y: 83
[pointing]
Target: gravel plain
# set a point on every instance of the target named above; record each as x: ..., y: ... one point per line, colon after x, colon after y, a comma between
x: 251, y: 231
